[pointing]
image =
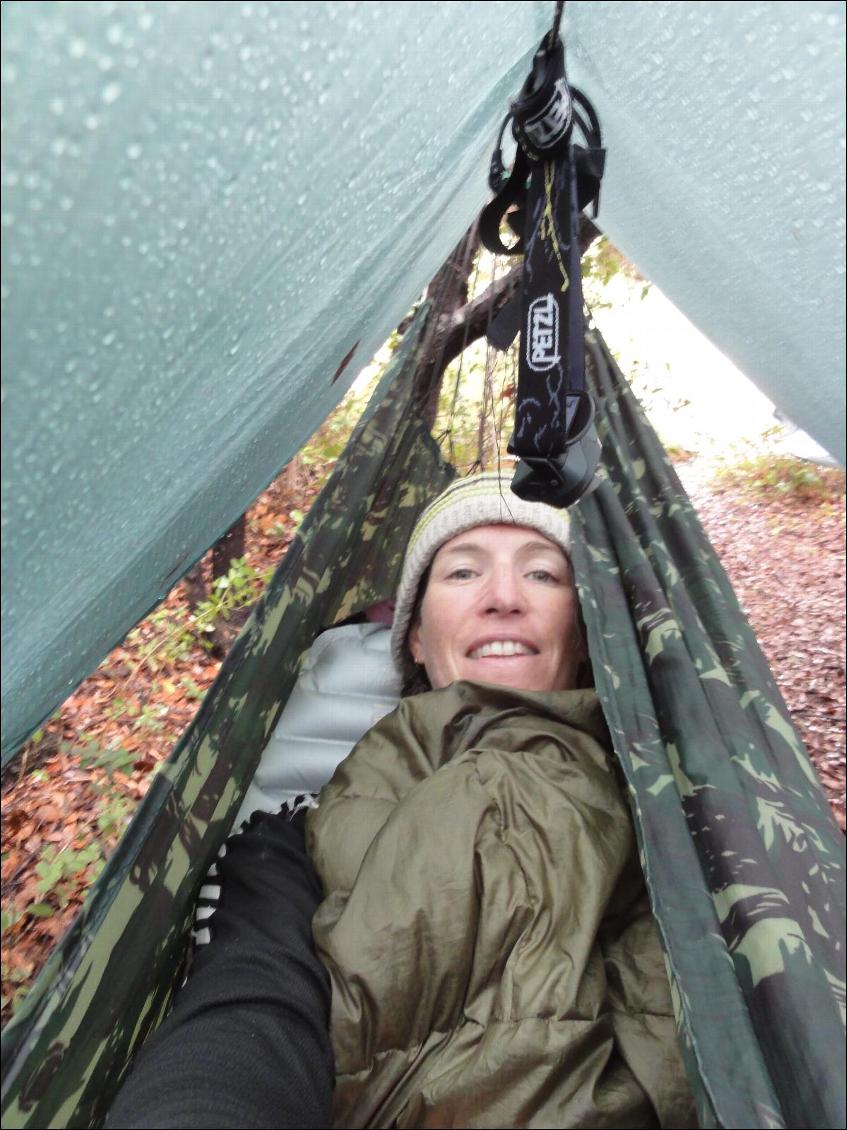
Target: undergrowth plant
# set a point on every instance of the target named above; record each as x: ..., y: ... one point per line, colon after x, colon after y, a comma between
x: 785, y: 475
x: 169, y: 635
x: 238, y: 588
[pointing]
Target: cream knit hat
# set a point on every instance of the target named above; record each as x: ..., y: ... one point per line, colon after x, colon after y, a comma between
x: 483, y: 500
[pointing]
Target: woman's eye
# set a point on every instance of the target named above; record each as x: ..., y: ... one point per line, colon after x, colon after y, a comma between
x: 543, y: 575
x: 461, y: 574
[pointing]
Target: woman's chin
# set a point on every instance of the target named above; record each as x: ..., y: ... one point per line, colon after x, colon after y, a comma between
x: 519, y: 672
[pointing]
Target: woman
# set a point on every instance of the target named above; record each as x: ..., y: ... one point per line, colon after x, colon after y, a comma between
x: 493, y: 957
x: 485, y: 926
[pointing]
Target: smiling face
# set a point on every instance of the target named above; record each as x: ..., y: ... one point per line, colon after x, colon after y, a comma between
x: 500, y: 607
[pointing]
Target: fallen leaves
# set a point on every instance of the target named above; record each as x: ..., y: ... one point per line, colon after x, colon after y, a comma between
x: 784, y: 555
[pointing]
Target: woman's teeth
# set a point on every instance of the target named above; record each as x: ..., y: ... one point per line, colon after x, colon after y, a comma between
x: 501, y: 647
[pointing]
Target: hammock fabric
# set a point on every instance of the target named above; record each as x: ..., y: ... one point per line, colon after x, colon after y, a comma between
x: 743, y: 859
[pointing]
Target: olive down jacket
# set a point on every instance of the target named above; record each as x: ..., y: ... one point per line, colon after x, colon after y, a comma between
x: 493, y: 957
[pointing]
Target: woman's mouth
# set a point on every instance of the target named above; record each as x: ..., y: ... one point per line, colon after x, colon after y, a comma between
x: 501, y: 648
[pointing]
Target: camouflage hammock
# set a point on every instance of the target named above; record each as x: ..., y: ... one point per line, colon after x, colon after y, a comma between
x: 743, y: 859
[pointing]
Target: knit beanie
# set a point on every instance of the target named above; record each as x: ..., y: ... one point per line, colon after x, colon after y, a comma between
x: 482, y: 500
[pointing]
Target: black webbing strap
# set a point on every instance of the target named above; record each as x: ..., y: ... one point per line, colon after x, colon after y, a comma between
x: 550, y: 182
x: 552, y: 362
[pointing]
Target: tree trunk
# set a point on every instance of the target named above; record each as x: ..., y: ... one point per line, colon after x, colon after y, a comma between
x: 228, y: 547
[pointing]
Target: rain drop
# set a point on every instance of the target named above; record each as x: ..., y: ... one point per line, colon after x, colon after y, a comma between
x: 109, y: 338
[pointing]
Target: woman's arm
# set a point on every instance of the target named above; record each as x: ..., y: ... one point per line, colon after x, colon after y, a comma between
x: 247, y: 1043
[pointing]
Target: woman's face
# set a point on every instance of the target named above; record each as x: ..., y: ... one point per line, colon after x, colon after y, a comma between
x: 500, y: 607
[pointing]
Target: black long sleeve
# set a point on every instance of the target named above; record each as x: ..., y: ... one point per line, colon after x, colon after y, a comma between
x: 247, y: 1043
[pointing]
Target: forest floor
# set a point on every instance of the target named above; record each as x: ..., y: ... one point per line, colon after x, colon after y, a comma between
x: 67, y: 798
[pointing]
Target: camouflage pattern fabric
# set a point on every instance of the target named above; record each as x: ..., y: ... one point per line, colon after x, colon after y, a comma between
x: 110, y: 981
x: 743, y: 859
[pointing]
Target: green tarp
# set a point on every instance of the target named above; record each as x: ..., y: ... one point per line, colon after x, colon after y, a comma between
x: 213, y: 214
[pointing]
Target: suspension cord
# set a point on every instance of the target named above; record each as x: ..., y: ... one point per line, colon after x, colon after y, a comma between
x: 557, y: 20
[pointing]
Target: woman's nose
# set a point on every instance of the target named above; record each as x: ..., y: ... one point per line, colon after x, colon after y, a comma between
x: 504, y: 593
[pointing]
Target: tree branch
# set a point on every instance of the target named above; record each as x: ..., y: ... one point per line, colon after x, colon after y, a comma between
x: 459, y: 328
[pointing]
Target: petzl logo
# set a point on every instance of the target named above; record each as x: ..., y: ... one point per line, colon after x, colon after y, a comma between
x: 542, y: 334
x: 551, y: 124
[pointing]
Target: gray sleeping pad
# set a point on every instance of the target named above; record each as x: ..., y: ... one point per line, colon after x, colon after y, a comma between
x: 348, y: 681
